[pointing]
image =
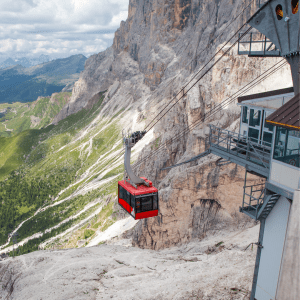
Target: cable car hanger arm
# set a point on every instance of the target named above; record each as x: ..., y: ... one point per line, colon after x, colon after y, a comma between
x: 192, y: 159
x: 129, y: 142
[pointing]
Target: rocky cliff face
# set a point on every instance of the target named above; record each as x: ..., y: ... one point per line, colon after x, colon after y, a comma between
x: 160, y: 47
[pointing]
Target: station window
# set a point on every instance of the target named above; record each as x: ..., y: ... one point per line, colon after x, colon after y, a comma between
x: 287, y: 146
x: 245, y: 115
x: 254, y: 117
x: 267, y: 139
x: 295, y: 4
x: 253, y: 135
x: 279, y: 12
x: 268, y: 126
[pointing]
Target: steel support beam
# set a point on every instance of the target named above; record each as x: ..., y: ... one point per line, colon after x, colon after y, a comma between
x: 257, y: 261
x: 251, y: 166
x: 277, y: 190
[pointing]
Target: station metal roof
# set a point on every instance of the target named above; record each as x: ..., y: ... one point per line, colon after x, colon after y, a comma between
x: 266, y: 94
x: 288, y: 115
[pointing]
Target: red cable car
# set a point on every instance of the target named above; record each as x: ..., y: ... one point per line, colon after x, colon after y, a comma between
x: 140, y: 203
x: 136, y: 195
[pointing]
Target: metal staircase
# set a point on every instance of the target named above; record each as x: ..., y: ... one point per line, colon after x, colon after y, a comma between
x: 258, y: 202
x: 267, y: 206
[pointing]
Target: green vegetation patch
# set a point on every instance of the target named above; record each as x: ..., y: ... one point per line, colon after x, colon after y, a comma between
x: 88, y: 233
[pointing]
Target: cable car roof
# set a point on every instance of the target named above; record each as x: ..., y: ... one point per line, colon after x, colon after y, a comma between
x: 141, y: 190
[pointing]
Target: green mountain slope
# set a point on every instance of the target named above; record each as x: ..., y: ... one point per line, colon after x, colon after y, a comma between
x: 19, y: 84
x: 40, y: 168
x: 17, y: 117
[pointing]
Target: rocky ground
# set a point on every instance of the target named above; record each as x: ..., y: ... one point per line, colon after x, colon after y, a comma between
x: 218, y: 267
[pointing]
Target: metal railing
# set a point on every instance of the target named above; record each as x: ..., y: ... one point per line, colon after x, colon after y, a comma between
x: 253, y: 198
x: 261, y: 3
x: 240, y: 146
x: 256, y: 44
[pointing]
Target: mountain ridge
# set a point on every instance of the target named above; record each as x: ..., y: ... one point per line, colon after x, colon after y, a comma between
x: 20, y: 84
x: 24, y: 61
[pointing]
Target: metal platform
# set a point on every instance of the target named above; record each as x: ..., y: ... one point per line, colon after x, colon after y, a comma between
x: 241, y: 150
x: 257, y: 45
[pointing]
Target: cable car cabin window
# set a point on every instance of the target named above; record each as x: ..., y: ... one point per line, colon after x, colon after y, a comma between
x: 287, y: 146
x: 123, y: 194
x: 155, y: 201
x: 245, y: 115
x: 254, y: 117
x: 279, y: 12
x: 145, y: 203
x: 295, y: 4
x: 132, y: 201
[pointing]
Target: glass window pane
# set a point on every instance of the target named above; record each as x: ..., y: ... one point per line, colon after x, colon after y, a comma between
x: 245, y: 115
x: 253, y: 134
x: 155, y: 200
x: 138, y: 205
x: 254, y: 117
x: 293, y: 148
x: 267, y: 139
x: 268, y: 126
x: 123, y: 194
x: 287, y: 146
x: 144, y: 203
x: 132, y: 201
x: 279, y: 143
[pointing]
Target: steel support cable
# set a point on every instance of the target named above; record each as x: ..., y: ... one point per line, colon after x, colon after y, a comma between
x: 192, y: 126
x: 162, y: 147
x: 201, y: 68
x: 185, y: 92
x: 182, y: 89
x: 208, y: 61
x: 105, y: 185
x: 196, y: 57
x: 224, y: 103
x: 211, y: 113
x: 206, y: 64
x: 218, y: 108
x: 200, y: 77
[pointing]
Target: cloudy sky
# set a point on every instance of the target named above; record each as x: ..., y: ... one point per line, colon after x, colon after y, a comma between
x: 58, y: 28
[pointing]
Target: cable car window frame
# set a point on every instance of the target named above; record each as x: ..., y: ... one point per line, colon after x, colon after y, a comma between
x: 154, y: 202
x: 123, y: 194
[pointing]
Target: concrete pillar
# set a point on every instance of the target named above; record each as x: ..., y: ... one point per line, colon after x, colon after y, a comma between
x: 288, y: 287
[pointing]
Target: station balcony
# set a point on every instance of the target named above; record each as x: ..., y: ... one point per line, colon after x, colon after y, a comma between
x: 241, y: 150
x: 255, y: 157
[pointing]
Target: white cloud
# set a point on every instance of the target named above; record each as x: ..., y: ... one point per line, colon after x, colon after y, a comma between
x: 59, y: 27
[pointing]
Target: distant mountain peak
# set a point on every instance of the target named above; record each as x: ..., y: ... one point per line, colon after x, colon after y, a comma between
x: 25, y: 62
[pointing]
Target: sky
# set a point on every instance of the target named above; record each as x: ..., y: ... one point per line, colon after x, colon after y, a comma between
x: 58, y: 28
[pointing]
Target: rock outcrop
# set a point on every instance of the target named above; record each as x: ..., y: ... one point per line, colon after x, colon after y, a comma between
x: 156, y: 52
